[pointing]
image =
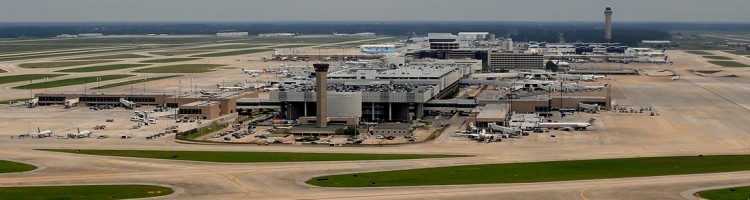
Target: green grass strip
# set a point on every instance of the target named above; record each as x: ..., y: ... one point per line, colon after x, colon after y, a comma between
x: 735, y: 193
x: 84, y: 192
x: 703, y: 53
x: 10, y: 167
x: 231, y: 46
x: 118, y: 84
x: 169, y: 60
x: 14, y: 100
x: 119, y: 56
x: 717, y: 57
x: 175, y: 53
x: 232, y: 53
x: 72, y: 81
x: 727, y: 63
x: 103, y: 68
x: 249, y: 157
x: 205, y: 131
x: 26, y: 77
x: 186, y: 68
x: 739, y: 52
x: 62, y: 64
x: 540, y: 171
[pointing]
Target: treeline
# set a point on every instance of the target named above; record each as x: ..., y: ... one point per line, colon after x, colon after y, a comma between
x: 626, y: 33
x: 629, y: 37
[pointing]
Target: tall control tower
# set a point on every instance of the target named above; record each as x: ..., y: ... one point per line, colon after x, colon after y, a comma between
x: 321, y: 74
x: 608, y: 25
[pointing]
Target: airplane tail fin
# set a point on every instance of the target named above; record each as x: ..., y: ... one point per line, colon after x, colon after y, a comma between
x: 591, y: 121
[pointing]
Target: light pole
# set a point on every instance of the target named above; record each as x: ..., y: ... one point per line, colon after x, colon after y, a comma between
x: 144, y: 85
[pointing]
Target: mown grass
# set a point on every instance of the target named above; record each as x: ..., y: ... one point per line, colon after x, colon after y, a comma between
x: 11, y: 167
x: 540, y: 171
x: 118, y: 84
x: 231, y: 46
x: 72, y: 81
x: 203, y: 131
x: 175, y: 53
x: 249, y: 157
x: 14, y: 100
x: 62, y: 64
x: 739, y: 52
x: 111, y: 57
x: 76, y: 192
x: 717, y: 57
x: 735, y: 193
x: 232, y: 53
x: 186, y: 68
x: 727, y: 63
x: 26, y: 77
x: 703, y: 53
x: 169, y: 60
x: 103, y: 68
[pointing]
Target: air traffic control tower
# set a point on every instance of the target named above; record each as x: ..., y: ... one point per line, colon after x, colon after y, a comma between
x: 608, y: 24
x: 321, y: 86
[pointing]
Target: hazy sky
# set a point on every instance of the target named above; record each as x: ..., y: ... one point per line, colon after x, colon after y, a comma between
x: 371, y: 10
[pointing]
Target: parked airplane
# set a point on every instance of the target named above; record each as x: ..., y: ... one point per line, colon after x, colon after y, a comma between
x: 569, y: 125
x: 674, y: 78
x: 42, y: 133
x: 248, y: 71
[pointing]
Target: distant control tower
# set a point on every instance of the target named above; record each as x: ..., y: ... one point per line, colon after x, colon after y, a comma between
x: 608, y: 25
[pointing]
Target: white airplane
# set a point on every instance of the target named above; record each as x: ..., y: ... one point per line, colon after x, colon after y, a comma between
x: 600, y: 87
x: 569, y: 125
x: 340, y: 34
x: 42, y: 133
x: 231, y: 88
x: 674, y: 78
x: 248, y: 71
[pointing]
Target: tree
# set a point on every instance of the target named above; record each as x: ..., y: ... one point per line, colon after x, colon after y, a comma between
x: 551, y: 66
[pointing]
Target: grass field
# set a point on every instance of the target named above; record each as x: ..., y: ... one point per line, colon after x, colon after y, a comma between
x: 5, y: 102
x: 717, y: 57
x: 118, y: 84
x: 175, y: 53
x: 703, y: 53
x: 727, y: 63
x: 186, y: 68
x: 232, y: 53
x: 76, y: 192
x: 103, y: 68
x: 119, y: 56
x: 736, y: 193
x: 248, y: 157
x: 26, y: 77
x: 289, y: 46
x: 169, y: 60
x: 742, y: 53
x: 72, y: 53
x: 2, y: 71
x: 72, y: 81
x: 62, y: 64
x: 10, y: 167
x: 231, y: 46
x: 204, y: 131
x: 540, y: 171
